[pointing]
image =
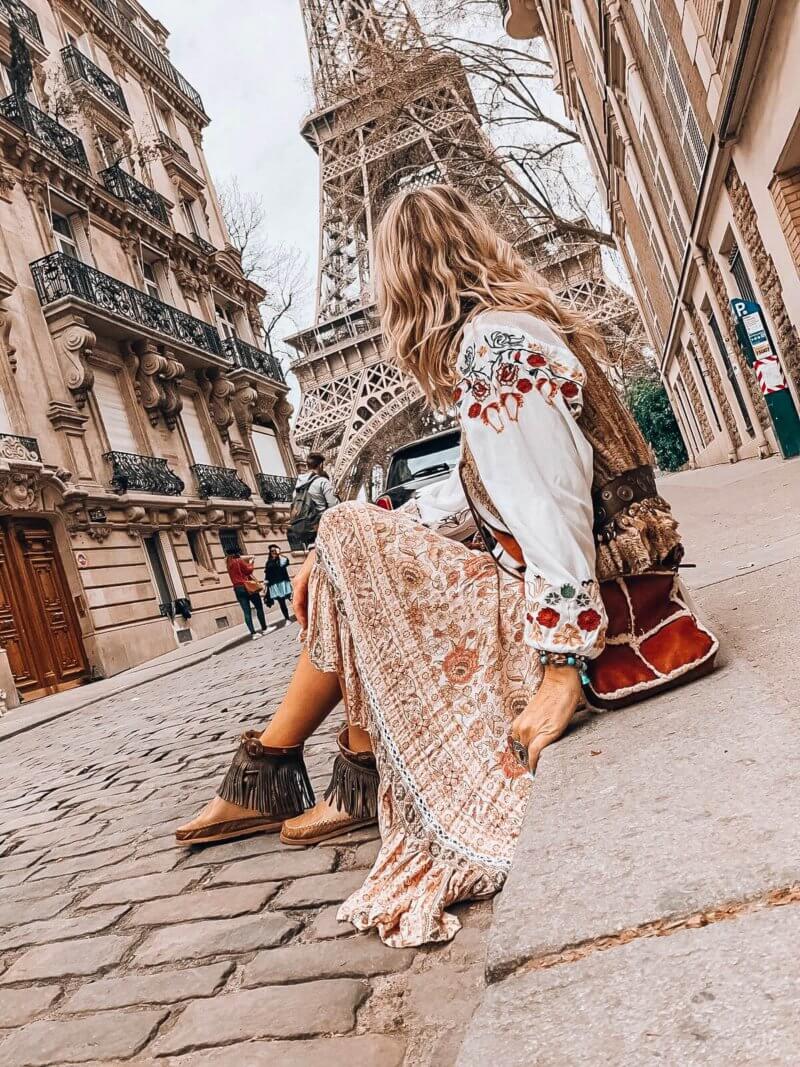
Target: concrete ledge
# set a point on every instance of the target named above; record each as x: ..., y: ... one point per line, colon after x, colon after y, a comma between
x: 725, y: 994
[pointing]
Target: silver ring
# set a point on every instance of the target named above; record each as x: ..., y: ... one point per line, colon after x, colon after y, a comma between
x: 521, y: 752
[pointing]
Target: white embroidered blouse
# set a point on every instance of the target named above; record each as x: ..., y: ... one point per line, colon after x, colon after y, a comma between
x: 518, y: 398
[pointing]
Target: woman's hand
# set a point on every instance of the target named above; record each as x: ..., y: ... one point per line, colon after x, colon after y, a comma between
x: 549, y: 712
x: 300, y: 590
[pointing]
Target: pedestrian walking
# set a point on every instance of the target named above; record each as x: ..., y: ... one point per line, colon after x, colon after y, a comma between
x: 313, y: 495
x: 247, y: 589
x: 277, y: 581
x: 457, y: 668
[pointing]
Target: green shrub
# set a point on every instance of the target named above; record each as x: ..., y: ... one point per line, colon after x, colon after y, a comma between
x: 651, y: 408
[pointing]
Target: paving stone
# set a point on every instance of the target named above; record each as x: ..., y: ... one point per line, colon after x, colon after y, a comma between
x: 61, y: 929
x: 366, y: 1051
x: 280, y: 866
x: 163, y: 987
x: 68, y: 958
x: 148, y: 887
x: 82, y: 862
x: 205, y: 904
x: 159, y: 863
x: 217, y: 937
x: 243, y: 848
x: 719, y: 995
x: 326, y: 925
x: 14, y: 878
x: 327, y: 1007
x: 38, y: 890
x: 20, y: 1006
x: 19, y: 861
x: 31, y: 911
x: 366, y: 854
x: 363, y: 955
x: 92, y: 1038
x: 319, y: 889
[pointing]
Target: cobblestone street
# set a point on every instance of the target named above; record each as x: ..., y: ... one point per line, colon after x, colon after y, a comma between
x: 118, y: 947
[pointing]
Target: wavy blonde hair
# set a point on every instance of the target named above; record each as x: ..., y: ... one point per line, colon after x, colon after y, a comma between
x: 439, y: 261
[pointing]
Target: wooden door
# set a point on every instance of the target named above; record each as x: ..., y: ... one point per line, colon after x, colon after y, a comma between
x: 38, y: 625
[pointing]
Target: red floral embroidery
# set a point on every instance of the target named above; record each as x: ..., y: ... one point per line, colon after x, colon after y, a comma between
x: 525, y: 385
x: 536, y: 360
x: 507, y: 373
x: 570, y: 390
x: 589, y: 620
x: 473, y: 411
x: 548, y: 618
x: 480, y: 389
x: 456, y: 396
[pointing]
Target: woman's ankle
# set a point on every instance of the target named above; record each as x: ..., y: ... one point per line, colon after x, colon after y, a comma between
x: 358, y: 740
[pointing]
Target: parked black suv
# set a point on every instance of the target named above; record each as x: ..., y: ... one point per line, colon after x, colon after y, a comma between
x: 418, y: 464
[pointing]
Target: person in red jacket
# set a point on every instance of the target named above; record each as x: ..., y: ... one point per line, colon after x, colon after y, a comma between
x: 240, y: 570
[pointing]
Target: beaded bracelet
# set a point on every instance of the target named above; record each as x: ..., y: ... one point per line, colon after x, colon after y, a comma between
x: 564, y: 659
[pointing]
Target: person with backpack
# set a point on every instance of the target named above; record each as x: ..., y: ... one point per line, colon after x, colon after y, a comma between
x: 313, y: 495
x: 277, y: 580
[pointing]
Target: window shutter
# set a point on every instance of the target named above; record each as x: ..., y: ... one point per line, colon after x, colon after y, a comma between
x: 266, y: 449
x: 113, y: 411
x: 193, y: 425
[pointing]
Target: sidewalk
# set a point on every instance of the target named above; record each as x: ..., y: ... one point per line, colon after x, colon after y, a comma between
x: 652, y: 914
x: 46, y: 709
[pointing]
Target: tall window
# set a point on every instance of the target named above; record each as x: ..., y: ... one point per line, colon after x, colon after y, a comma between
x: 193, y: 425
x: 163, y: 120
x: 65, y: 236
x: 225, y: 322
x: 689, y: 418
x: 150, y: 280
x: 113, y: 411
x: 739, y: 272
x: 265, y: 446
x: 702, y: 374
x: 109, y: 148
x: 201, y: 553
x: 730, y: 372
x: 190, y: 215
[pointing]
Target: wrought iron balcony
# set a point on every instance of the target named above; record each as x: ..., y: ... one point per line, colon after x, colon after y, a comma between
x: 148, y: 49
x: 248, y: 357
x: 205, y: 246
x: 220, y: 481
x: 276, y: 488
x: 58, y: 276
x: 80, y: 68
x: 50, y: 134
x: 145, y: 474
x: 16, y: 11
x: 130, y: 189
x: 14, y: 446
x: 171, y: 145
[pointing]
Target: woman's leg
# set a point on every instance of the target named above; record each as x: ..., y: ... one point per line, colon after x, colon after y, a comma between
x: 309, y: 699
x: 244, y: 604
x: 259, y: 606
x: 284, y: 610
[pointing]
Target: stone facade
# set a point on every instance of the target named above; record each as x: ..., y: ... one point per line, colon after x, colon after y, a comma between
x: 688, y: 113
x: 142, y: 426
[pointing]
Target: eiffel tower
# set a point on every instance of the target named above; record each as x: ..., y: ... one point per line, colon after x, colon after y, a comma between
x: 392, y: 113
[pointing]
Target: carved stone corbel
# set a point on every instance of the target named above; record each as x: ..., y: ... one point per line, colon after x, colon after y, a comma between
x: 157, y: 379
x: 244, y: 406
x: 7, y: 287
x: 219, y: 393
x: 75, y: 344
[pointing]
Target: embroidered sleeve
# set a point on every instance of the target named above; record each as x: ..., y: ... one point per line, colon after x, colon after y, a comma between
x: 519, y: 394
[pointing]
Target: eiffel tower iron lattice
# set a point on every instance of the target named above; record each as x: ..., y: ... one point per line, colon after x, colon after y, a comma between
x: 393, y: 113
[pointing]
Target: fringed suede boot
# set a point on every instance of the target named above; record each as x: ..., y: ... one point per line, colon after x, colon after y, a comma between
x: 351, y: 800
x: 271, y: 782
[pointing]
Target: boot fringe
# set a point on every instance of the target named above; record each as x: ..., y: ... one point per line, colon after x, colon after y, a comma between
x: 270, y: 783
x: 354, y: 788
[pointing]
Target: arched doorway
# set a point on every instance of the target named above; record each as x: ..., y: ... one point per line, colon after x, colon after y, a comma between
x: 39, y: 628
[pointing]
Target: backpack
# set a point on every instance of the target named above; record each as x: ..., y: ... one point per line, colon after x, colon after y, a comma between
x: 304, y: 516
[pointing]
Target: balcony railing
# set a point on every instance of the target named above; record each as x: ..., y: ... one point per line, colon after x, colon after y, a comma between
x: 49, y: 133
x: 248, y: 357
x: 205, y: 246
x: 58, y: 275
x: 145, y: 474
x: 80, y: 68
x: 172, y: 145
x: 130, y: 189
x: 276, y: 488
x: 26, y: 19
x: 13, y: 443
x: 220, y: 481
x: 148, y: 49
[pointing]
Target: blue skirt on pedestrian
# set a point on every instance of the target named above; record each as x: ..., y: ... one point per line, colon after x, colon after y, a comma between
x: 280, y: 589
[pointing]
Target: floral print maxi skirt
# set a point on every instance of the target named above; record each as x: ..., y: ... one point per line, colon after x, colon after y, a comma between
x: 427, y: 638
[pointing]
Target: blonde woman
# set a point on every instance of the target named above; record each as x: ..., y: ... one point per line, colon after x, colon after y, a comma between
x: 456, y: 668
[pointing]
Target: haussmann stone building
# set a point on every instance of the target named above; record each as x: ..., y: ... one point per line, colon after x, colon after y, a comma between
x: 690, y: 114
x: 143, y: 428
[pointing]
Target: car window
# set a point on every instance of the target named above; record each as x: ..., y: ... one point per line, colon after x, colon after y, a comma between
x: 428, y: 457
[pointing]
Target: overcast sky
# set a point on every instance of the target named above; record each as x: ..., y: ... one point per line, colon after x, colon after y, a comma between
x: 248, y: 61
